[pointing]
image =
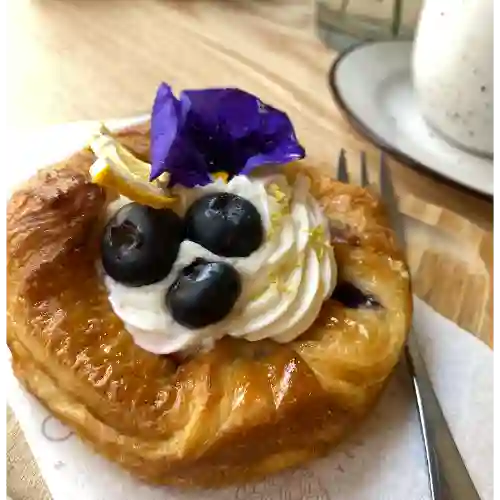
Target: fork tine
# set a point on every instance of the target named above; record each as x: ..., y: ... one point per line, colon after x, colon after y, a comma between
x: 386, y: 186
x: 364, y: 171
x: 342, y: 173
x: 390, y: 199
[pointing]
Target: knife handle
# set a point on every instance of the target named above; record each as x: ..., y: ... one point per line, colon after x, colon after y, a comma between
x: 449, y: 478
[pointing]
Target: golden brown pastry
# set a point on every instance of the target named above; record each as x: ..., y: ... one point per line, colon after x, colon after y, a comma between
x: 237, y: 412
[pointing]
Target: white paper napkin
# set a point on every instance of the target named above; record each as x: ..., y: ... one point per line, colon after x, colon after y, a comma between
x: 384, y: 460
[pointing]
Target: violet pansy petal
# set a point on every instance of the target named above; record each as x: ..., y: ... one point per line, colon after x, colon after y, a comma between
x: 171, y: 147
x: 166, y: 122
x: 277, y: 157
x: 227, y: 129
x: 230, y: 113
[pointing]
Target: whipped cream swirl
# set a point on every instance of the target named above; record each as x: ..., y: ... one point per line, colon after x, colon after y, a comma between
x: 284, y: 282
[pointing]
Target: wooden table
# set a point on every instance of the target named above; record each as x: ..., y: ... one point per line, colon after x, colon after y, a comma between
x: 75, y: 59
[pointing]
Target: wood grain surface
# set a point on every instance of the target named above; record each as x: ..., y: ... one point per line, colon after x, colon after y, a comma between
x: 90, y: 59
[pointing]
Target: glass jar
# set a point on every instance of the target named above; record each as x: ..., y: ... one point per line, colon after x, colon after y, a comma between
x: 341, y: 23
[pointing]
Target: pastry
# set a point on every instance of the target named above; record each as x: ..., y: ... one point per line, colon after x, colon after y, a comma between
x: 191, y: 351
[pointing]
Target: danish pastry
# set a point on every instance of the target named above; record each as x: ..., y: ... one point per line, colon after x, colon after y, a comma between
x: 234, y: 409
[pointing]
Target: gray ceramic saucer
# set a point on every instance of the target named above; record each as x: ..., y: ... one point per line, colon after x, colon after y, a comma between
x: 371, y: 83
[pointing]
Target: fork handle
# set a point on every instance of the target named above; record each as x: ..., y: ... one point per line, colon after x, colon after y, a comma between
x: 448, y: 475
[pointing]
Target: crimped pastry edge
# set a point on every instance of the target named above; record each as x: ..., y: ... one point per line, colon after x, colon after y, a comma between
x: 204, y: 471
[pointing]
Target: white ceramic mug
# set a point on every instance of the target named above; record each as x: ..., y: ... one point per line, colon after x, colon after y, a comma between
x: 453, y: 71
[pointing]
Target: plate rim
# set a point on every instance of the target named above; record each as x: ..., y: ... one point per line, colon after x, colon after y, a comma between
x: 377, y: 141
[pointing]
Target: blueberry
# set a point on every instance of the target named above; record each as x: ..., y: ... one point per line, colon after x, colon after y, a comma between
x: 140, y: 244
x: 204, y: 293
x: 226, y: 224
x: 352, y: 297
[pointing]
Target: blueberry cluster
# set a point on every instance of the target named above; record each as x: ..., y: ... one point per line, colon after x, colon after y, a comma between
x: 140, y: 245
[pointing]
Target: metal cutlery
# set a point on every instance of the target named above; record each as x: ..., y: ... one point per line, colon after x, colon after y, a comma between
x: 448, y: 475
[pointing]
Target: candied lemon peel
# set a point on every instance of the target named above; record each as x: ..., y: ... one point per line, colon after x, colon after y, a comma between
x: 118, y: 169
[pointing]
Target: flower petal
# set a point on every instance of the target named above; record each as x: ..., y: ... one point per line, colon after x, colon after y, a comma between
x: 171, y: 148
x: 210, y: 130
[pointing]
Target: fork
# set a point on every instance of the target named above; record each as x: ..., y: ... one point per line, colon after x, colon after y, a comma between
x: 448, y: 475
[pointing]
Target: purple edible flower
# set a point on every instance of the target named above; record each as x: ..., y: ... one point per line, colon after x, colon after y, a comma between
x: 212, y: 130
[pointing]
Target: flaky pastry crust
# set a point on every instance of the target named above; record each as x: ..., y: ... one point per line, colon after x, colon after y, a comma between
x: 233, y: 414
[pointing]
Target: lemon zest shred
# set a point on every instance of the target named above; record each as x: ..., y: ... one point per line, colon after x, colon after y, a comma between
x: 277, y: 193
x: 256, y: 295
x: 317, y: 240
x: 277, y: 282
